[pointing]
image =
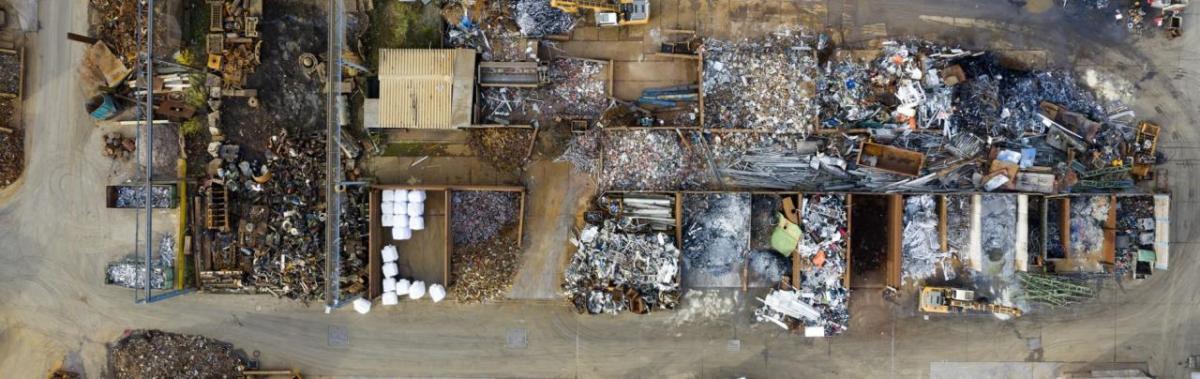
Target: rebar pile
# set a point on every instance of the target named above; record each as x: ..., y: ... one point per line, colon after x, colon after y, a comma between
x: 1055, y: 291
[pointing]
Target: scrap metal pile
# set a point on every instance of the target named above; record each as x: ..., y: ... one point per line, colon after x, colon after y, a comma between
x: 922, y: 249
x: 1088, y: 215
x: 576, y: 89
x: 479, y: 216
x: 716, y: 238
x: 919, y: 117
x: 135, y: 197
x: 156, y: 354
x: 537, y: 18
x: 767, y: 84
x: 1135, y: 232
x: 484, y: 271
x: 636, y: 160
x: 234, y: 41
x: 281, y: 223
x: 118, y: 26
x: 615, y: 270
x: 130, y: 272
x: 821, y: 300
x: 486, y: 255
x: 353, y: 275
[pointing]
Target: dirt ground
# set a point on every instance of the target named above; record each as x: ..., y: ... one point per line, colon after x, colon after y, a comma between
x: 54, y: 310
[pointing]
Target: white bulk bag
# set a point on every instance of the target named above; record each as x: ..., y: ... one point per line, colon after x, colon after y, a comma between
x: 400, y: 233
x: 390, y: 298
x: 402, y: 221
x: 388, y: 196
x: 437, y: 292
x: 389, y: 284
x: 390, y: 270
x: 416, y: 222
x: 402, y: 287
x: 388, y: 220
x: 416, y: 196
x: 416, y: 209
x: 362, y: 305
x: 390, y: 254
x: 417, y: 290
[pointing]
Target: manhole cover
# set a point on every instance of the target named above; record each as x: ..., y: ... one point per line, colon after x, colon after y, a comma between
x: 518, y: 338
x: 734, y: 346
x: 339, y: 336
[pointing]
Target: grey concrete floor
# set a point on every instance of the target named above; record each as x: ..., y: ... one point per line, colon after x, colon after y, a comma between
x: 56, y: 235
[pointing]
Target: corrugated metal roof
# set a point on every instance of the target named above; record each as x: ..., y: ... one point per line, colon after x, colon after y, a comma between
x: 417, y: 88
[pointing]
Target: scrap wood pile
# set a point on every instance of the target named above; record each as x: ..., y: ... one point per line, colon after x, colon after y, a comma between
x: 485, y: 257
x: 576, y: 89
x: 919, y: 117
x: 821, y: 300
x: 276, y: 229
x: 613, y: 271
x: 156, y: 354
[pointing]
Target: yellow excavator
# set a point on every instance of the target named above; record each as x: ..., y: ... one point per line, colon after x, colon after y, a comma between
x: 956, y: 300
x: 609, y: 12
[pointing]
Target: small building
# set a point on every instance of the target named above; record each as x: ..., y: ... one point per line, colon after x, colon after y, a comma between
x: 422, y: 89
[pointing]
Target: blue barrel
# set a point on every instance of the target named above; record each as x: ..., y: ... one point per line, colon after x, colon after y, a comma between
x: 102, y: 107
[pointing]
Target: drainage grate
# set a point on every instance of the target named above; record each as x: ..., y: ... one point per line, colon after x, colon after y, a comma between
x: 734, y: 346
x: 518, y: 338
x: 339, y: 336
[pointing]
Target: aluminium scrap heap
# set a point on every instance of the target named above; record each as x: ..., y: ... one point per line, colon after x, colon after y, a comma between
x: 615, y: 271
x: 822, y: 299
x: 945, y: 112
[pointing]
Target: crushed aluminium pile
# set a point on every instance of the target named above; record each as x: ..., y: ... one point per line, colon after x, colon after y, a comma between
x: 922, y: 250
x: 634, y: 160
x: 912, y: 86
x: 537, y: 18
x: 610, y: 265
x: 135, y: 196
x: 157, y: 354
x: 1087, y: 226
x: 130, y: 272
x: 765, y: 84
x: 478, y: 216
x: 716, y: 237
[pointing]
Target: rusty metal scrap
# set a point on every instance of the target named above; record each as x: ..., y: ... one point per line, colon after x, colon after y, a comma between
x: 484, y: 271
x: 157, y: 354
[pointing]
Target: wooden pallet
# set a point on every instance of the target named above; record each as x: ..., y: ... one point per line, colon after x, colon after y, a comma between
x: 217, y: 213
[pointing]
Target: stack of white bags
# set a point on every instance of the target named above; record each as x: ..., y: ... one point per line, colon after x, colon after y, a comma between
x: 390, y: 271
x: 403, y: 211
